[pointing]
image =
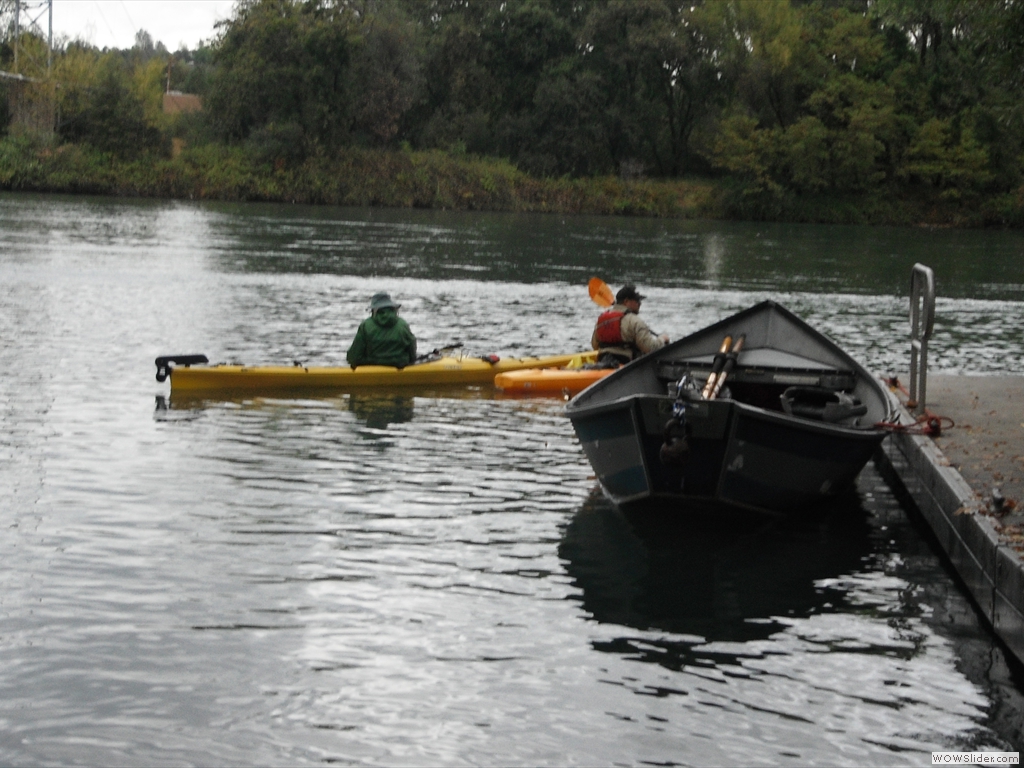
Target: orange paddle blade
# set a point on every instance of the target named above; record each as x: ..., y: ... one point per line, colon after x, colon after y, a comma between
x: 600, y: 292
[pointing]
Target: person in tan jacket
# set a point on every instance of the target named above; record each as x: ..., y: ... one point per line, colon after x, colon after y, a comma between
x: 620, y: 335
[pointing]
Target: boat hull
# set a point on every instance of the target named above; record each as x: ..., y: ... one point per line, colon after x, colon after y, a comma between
x: 793, y: 426
x: 283, y: 378
x: 739, y: 455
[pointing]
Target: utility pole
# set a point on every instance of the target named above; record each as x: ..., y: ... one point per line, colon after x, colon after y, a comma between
x: 17, y: 32
x: 32, y: 103
x: 33, y: 11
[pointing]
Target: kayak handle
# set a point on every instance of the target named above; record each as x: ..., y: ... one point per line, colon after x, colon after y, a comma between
x: 163, y: 364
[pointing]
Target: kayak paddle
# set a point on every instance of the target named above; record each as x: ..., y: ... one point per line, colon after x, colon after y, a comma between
x: 435, y: 353
x: 600, y: 292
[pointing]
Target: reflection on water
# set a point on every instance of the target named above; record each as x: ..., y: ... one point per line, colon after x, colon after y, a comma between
x: 444, y: 245
x: 709, y: 578
x: 714, y: 258
x: 834, y: 606
x: 380, y: 410
x: 429, y: 577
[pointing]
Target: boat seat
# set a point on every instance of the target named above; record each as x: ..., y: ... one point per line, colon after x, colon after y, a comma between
x: 833, y: 379
x: 821, y: 404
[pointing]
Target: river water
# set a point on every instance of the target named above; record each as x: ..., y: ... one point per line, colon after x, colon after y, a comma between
x: 434, y: 578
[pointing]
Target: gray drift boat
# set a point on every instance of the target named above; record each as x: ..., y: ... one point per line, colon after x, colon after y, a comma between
x: 758, y: 411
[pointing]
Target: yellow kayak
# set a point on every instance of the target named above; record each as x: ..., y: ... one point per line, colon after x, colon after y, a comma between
x: 189, y: 373
x: 549, y: 381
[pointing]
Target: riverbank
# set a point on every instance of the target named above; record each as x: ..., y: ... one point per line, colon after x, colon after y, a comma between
x: 354, y: 177
x: 441, y: 180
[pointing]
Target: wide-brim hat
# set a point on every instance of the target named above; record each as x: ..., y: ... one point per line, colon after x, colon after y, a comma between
x: 628, y: 293
x: 382, y: 301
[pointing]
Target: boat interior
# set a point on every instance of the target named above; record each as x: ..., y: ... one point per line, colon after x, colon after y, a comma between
x: 771, y: 379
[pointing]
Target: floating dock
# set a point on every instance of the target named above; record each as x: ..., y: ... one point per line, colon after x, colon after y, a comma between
x: 968, y: 484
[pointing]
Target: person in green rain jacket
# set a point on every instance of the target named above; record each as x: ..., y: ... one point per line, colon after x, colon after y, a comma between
x: 383, y: 338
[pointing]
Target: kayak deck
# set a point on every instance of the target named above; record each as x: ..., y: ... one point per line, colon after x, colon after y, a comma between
x: 270, y: 378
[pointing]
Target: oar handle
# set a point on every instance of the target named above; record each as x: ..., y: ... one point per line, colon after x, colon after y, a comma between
x: 730, y: 363
x: 716, y: 367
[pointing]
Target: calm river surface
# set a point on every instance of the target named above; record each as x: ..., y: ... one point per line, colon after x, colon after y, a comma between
x: 434, y: 578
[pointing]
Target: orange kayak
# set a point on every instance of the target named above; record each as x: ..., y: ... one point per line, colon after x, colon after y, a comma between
x: 549, y: 381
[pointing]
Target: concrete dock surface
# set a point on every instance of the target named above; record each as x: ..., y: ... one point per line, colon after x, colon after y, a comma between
x: 968, y: 484
x: 986, y: 442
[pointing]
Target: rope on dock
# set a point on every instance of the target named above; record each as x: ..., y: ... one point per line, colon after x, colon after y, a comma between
x: 928, y: 423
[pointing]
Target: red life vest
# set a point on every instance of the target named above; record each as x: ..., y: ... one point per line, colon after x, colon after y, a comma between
x: 609, y: 329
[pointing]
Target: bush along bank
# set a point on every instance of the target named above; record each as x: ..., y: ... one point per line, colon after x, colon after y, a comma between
x: 440, y: 180
x: 353, y: 177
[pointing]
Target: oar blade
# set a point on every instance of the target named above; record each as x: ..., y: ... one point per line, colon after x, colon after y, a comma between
x: 600, y: 293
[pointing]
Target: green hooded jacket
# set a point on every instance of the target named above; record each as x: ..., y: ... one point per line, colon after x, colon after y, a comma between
x: 383, y: 339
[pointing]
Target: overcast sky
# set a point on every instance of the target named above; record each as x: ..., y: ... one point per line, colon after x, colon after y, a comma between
x: 113, y: 23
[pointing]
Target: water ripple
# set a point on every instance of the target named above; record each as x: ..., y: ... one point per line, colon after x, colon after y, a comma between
x: 432, y: 577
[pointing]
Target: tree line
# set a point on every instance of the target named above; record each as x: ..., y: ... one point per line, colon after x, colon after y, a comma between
x: 782, y: 101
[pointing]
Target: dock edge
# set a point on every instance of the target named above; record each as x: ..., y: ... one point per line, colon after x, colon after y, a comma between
x: 992, y: 571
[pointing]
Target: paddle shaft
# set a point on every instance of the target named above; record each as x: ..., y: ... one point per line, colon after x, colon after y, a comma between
x: 436, y: 352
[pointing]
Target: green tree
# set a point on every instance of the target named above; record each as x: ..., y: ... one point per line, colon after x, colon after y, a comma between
x: 149, y: 83
x: 192, y: 70
x: 100, y: 107
x: 830, y: 122
x: 661, y: 74
x: 457, y: 104
x: 506, y: 79
x: 763, y: 44
x: 386, y: 68
x: 530, y: 45
x: 949, y: 161
x: 967, y: 76
x: 567, y: 128
x: 283, y: 67
x: 691, y: 85
x: 620, y: 48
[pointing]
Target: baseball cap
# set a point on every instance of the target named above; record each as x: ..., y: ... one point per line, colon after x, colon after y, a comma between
x: 628, y: 293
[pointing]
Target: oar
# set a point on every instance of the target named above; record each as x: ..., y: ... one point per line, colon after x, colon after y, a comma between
x: 730, y: 363
x: 600, y: 292
x: 716, y: 367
